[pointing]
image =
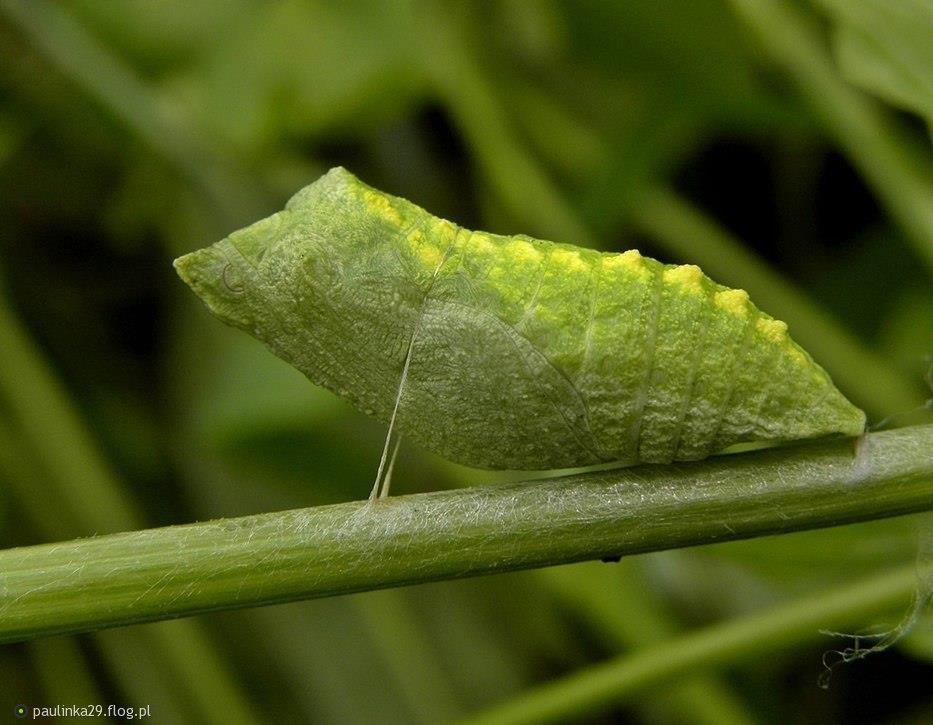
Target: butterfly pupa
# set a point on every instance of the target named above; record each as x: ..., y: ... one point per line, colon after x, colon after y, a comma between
x: 528, y: 354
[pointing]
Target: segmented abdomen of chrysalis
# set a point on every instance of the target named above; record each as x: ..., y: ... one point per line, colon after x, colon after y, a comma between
x: 517, y: 353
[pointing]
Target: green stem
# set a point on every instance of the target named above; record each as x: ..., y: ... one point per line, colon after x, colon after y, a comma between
x: 688, y: 233
x: 601, y: 686
x: 875, y: 145
x: 181, y: 570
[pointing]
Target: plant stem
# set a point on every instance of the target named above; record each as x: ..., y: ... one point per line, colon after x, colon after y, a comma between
x: 875, y: 145
x: 601, y: 686
x: 180, y: 570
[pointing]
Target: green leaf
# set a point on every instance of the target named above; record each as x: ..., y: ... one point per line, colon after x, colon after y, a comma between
x: 887, y: 48
x: 511, y: 352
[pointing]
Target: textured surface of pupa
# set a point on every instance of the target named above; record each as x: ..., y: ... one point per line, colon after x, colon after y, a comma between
x: 522, y: 353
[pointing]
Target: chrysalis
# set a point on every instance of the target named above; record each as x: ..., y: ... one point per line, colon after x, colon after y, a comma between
x: 520, y: 353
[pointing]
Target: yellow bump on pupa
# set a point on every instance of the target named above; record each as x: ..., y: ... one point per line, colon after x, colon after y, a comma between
x: 798, y: 355
x: 415, y: 242
x: 481, y: 243
x: 426, y: 251
x: 379, y: 204
x: 430, y: 255
x: 688, y: 276
x: 568, y: 259
x: 443, y: 234
x: 630, y: 261
x: 523, y: 252
x: 774, y: 330
x: 733, y: 300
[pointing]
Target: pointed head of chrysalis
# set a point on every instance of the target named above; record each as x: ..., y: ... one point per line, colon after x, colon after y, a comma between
x: 334, y: 235
x: 302, y: 247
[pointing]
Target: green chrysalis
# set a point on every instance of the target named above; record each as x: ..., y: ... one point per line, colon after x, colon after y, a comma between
x: 516, y: 352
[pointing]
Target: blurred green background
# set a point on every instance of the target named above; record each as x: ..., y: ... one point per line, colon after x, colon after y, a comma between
x: 785, y: 148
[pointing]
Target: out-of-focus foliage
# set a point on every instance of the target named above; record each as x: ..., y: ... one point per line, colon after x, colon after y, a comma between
x: 885, y: 47
x: 133, y: 131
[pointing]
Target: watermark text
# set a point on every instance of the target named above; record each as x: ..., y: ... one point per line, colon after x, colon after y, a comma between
x: 114, y: 712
